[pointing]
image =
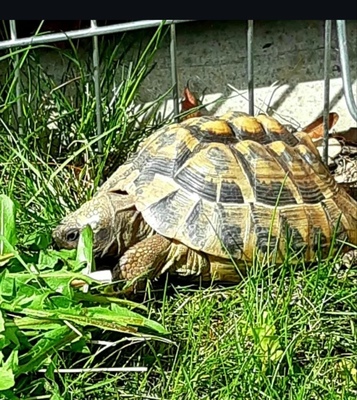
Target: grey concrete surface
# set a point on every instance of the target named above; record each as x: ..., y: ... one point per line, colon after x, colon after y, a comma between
x: 287, y: 54
x: 288, y: 67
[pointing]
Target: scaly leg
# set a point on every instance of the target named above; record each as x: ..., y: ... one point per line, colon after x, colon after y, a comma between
x: 142, y: 261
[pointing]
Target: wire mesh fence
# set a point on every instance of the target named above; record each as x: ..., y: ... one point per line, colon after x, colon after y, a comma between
x: 94, y: 31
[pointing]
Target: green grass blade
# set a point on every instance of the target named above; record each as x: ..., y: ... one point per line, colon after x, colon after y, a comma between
x: 7, y: 224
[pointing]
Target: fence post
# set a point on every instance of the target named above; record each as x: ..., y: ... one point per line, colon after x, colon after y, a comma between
x: 327, y: 63
x: 16, y: 66
x: 345, y: 68
x: 250, y: 66
x: 98, y: 101
x: 173, y: 58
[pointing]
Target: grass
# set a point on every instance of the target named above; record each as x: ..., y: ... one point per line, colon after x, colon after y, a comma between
x: 285, y: 332
x: 59, y: 142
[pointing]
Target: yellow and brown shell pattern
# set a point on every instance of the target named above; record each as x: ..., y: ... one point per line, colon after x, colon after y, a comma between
x: 230, y: 186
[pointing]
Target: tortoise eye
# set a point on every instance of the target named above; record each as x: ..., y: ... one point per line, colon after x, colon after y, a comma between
x: 72, y: 235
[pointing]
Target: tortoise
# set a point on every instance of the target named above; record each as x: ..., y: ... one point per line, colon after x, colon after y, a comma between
x: 202, y: 198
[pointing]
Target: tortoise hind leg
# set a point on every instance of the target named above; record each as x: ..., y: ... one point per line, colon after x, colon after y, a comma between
x: 143, y: 260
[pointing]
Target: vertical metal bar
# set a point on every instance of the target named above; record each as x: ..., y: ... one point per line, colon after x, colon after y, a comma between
x: 173, y: 58
x: 98, y: 105
x: 327, y: 63
x: 345, y: 68
x: 16, y: 65
x: 250, y: 66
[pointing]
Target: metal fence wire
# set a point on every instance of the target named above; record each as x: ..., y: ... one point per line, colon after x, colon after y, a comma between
x: 94, y: 31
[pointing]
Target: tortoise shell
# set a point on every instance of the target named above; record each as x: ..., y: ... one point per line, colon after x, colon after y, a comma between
x: 231, y: 185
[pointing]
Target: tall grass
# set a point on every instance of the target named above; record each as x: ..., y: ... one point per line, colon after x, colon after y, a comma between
x: 54, y: 165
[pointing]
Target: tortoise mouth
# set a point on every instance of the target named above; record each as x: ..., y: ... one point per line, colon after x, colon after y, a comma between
x: 107, y: 258
x: 106, y: 262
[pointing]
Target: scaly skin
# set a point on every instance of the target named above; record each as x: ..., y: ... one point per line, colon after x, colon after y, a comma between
x: 143, y: 259
x: 115, y: 222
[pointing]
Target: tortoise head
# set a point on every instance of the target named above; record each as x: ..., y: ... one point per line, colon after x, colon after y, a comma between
x: 104, y: 214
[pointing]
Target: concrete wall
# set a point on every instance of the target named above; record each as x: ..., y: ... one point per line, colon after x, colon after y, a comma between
x: 287, y: 54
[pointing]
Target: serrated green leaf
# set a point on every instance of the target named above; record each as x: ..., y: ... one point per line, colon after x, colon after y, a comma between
x: 13, y: 334
x: 7, y: 284
x: 12, y: 361
x: 148, y: 323
x: 49, y: 344
x: 31, y: 297
x: 121, y: 319
x: 37, y: 300
x: 4, y: 341
x: 60, y: 284
x: 47, y: 260
x: 37, y: 241
x: 7, y: 224
x: 59, y: 301
x: 7, y: 378
x: 56, y: 281
x: 64, y: 254
x: 105, y: 299
x: 35, y: 324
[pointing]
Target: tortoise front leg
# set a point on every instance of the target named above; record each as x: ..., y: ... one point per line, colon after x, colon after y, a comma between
x: 143, y: 260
